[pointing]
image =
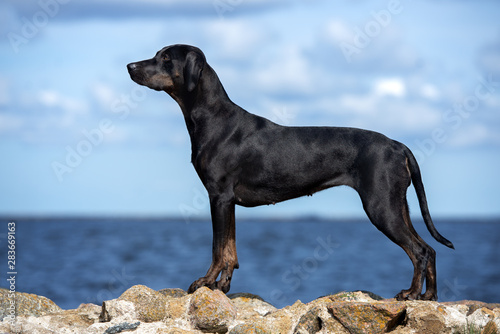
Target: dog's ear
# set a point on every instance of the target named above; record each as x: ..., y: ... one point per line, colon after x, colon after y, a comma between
x: 192, y: 70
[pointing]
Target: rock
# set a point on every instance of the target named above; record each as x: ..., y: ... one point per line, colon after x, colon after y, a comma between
x: 87, y: 313
x: 472, y: 305
x: 363, y: 317
x: 121, y: 327
x: 211, y: 311
x: 359, y: 296
x: 432, y: 317
x: 176, y: 307
x: 250, y: 305
x: 371, y: 295
x: 454, y: 315
x: 120, y: 309
x: 481, y: 317
x: 25, y: 304
x: 310, y: 322
x: 492, y: 327
x: 143, y: 310
x: 327, y: 323
x: 450, y: 317
x: 244, y: 295
x: 78, y: 320
x: 149, y: 304
x: 175, y: 293
x: 175, y: 330
x: 251, y: 328
x: 283, y: 320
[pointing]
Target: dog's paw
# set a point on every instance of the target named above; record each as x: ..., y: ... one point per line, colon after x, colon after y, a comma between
x: 201, y: 282
x: 407, y: 295
x: 223, y: 286
x: 428, y: 296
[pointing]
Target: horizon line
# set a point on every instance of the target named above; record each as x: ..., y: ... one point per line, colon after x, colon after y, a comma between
x: 246, y: 218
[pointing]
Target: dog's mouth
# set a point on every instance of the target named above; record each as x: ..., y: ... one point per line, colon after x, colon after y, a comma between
x: 155, y: 82
x: 139, y: 78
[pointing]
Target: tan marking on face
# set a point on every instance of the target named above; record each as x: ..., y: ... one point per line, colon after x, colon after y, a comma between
x: 164, y: 81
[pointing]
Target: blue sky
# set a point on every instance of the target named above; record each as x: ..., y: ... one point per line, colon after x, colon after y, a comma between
x: 78, y: 137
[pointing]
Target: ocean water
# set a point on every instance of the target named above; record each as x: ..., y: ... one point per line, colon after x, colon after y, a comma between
x: 83, y: 260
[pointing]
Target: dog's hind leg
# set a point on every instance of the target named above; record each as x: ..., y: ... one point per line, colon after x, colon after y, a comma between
x: 384, y: 201
x: 430, y: 278
x: 224, y: 257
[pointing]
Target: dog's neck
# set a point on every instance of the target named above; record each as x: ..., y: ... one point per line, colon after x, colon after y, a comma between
x: 207, y: 110
x: 209, y: 96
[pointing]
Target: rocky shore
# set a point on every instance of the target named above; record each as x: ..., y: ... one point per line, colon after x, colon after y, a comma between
x: 143, y: 310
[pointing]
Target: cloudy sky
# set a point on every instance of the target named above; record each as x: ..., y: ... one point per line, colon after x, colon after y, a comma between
x: 78, y: 137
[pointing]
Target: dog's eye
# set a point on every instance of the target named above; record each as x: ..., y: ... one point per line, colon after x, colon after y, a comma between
x: 166, y: 58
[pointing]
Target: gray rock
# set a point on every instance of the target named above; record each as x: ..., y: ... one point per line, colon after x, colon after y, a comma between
x: 124, y: 326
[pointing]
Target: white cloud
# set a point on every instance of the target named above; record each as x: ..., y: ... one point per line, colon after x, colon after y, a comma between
x: 388, y: 115
x: 491, y: 62
x: 43, y: 116
x: 10, y: 123
x: 58, y: 111
x: 287, y: 72
x: 361, y: 51
x: 474, y: 135
x: 54, y: 99
x: 429, y: 91
x: 359, y: 104
x: 390, y: 86
x: 104, y: 94
x: 336, y: 31
x: 385, y: 108
x: 116, y: 9
x: 4, y: 92
x: 409, y: 116
x: 489, y: 57
x: 234, y: 39
x: 49, y: 98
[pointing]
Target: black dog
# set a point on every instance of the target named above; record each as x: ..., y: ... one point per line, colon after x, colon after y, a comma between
x: 248, y: 160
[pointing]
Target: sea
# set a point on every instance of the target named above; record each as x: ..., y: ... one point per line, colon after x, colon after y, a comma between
x: 89, y: 260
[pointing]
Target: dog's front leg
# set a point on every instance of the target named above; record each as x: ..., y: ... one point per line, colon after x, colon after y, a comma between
x: 224, y: 258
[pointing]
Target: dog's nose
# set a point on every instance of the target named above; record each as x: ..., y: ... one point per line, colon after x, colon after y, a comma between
x: 131, y: 66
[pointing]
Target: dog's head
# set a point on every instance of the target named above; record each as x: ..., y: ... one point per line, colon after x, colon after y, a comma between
x: 175, y: 69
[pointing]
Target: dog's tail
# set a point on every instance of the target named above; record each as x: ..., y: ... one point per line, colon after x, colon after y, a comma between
x: 416, y: 178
